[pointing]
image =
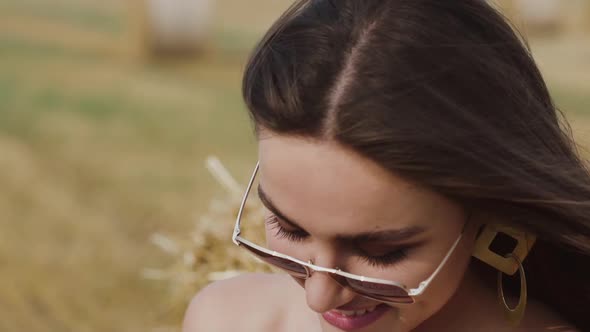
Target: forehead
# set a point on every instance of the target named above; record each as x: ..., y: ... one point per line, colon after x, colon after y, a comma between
x: 321, y: 183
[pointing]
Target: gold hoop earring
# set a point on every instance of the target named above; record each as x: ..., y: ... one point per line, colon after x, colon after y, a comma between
x: 507, y: 264
x: 513, y: 315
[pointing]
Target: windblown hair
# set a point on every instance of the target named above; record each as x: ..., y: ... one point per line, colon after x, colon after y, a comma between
x: 445, y: 94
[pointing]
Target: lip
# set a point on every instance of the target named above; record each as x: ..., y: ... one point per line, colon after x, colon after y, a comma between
x: 351, y: 308
x: 347, y: 323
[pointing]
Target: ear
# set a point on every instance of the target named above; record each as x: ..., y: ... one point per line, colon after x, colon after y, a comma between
x: 489, y: 233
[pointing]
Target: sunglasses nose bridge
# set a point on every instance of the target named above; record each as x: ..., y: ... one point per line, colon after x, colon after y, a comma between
x: 309, y: 269
x: 338, y: 278
x: 345, y: 283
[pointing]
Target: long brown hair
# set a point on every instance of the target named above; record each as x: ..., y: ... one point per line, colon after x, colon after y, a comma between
x: 444, y: 93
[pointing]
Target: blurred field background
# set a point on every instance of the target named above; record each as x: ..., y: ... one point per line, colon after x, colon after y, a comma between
x: 103, y: 144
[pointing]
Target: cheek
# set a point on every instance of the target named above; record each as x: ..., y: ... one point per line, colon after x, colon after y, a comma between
x: 440, y: 292
x: 299, y: 281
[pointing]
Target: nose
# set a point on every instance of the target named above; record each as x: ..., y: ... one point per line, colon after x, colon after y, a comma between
x: 323, y: 293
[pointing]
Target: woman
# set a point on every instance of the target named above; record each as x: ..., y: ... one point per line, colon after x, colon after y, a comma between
x: 410, y: 156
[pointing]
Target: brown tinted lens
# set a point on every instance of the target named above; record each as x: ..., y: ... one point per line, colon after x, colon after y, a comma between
x: 402, y: 299
x: 380, y: 292
x: 294, y: 269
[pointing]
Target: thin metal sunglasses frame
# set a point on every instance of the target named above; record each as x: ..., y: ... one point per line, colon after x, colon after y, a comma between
x: 309, y: 267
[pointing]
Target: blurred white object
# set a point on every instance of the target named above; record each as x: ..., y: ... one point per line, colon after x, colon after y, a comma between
x: 178, y: 25
x: 540, y: 12
x: 165, y: 243
x: 223, y: 176
x: 221, y: 275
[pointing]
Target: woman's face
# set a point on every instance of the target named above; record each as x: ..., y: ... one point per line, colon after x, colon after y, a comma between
x: 331, y: 195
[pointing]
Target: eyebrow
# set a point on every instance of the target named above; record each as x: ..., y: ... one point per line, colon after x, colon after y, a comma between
x: 393, y: 235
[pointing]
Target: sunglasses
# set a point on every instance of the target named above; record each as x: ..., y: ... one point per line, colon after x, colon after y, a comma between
x: 376, y: 289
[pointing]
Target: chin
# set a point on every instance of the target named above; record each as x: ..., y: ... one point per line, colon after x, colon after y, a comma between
x: 389, y: 322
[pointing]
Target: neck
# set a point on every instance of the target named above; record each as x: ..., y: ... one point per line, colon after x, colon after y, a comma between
x: 474, y: 304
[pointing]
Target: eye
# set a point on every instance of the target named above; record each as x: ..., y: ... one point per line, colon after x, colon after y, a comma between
x: 387, y: 259
x: 281, y: 232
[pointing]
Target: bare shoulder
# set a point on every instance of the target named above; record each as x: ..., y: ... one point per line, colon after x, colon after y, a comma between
x: 250, y: 302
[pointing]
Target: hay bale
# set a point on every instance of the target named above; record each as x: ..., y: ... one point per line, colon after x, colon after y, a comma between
x: 176, y: 26
x: 207, y: 253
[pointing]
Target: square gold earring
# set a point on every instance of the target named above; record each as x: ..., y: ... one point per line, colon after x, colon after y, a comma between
x: 507, y: 265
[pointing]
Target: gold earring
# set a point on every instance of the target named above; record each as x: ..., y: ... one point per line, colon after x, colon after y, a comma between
x: 514, y: 315
x: 508, y: 264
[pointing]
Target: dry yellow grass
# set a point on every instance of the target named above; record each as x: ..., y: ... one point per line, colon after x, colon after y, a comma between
x: 100, y: 151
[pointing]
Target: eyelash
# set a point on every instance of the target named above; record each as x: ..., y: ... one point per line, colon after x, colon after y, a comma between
x: 388, y: 259
x: 281, y: 233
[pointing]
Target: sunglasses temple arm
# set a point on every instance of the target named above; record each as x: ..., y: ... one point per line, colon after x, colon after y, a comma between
x: 243, y: 203
x: 425, y: 283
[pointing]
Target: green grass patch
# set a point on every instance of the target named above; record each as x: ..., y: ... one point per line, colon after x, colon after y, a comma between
x: 75, y: 14
x: 21, y: 49
x: 572, y: 101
